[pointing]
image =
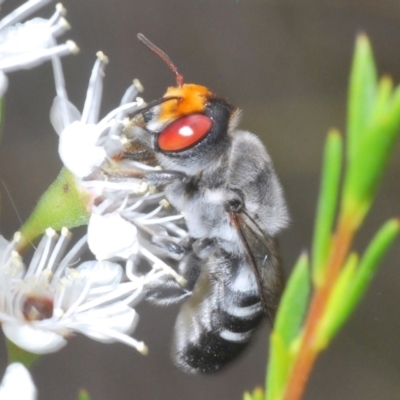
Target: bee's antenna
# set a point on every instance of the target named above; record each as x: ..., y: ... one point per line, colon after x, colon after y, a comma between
x: 161, y: 54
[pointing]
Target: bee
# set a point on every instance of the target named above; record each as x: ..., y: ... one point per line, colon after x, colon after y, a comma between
x: 222, y: 180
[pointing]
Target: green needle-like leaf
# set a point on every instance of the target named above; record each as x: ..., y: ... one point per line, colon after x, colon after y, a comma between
x: 362, y: 91
x: 287, y: 326
x: 279, y: 364
x: 247, y: 396
x: 373, y: 129
x: 369, y: 264
x: 258, y: 394
x: 332, y: 318
x: 294, y: 302
x: 327, y: 203
x: 354, y: 281
x: 83, y: 395
x: 383, y: 94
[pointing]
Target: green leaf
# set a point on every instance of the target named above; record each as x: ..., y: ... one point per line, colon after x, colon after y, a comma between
x: 279, y: 364
x: 327, y: 203
x: 366, y: 167
x: 384, y: 92
x: 333, y: 315
x: 373, y: 129
x: 83, y: 395
x: 287, y: 327
x: 362, y: 89
x: 247, y: 396
x: 369, y: 263
x: 64, y: 204
x: 16, y: 354
x: 293, y: 304
x: 258, y: 394
x: 353, y: 282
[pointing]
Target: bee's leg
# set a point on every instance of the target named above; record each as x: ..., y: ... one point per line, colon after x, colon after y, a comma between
x: 141, y: 155
x: 153, y: 178
x: 165, y: 177
x: 167, y: 290
x: 167, y: 245
x: 204, y: 248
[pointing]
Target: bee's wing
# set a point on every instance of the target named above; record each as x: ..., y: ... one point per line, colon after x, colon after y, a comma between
x: 262, y: 255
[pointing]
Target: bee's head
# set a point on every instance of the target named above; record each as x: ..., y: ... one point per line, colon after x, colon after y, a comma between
x: 190, y: 124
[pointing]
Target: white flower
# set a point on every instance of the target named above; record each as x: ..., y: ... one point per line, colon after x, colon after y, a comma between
x: 26, y: 45
x: 85, y: 142
x: 17, y: 383
x: 88, y: 146
x: 116, y: 234
x: 42, y: 305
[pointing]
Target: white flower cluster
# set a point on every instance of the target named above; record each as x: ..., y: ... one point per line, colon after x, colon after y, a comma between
x: 26, y: 45
x: 57, y: 295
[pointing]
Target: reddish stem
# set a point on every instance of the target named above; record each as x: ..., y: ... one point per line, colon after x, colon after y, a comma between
x: 308, y: 351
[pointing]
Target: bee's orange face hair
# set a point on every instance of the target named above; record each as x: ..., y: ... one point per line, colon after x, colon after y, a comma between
x: 193, y: 99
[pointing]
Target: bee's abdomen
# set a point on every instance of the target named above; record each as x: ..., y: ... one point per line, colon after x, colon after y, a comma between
x: 209, y: 354
x: 213, y: 328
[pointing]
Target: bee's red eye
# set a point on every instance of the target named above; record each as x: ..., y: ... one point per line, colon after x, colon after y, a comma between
x: 184, y: 132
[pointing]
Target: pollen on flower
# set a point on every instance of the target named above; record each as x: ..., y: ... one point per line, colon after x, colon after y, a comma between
x: 138, y: 86
x: 165, y: 203
x: 140, y: 102
x: 72, y: 47
x: 153, y: 189
x: 17, y: 237
x: 143, y: 188
x: 102, y: 57
x: 142, y: 348
x: 65, y: 232
x: 50, y: 232
x: 64, y: 24
x: 61, y: 9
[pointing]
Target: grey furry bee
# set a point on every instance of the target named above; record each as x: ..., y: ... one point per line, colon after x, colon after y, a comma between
x: 223, y: 181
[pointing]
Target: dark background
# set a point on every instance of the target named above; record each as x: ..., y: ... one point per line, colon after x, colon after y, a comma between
x: 286, y: 64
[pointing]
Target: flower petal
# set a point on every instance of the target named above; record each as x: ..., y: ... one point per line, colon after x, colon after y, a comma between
x: 59, y: 107
x: 118, y: 317
x: 102, y: 273
x: 23, y: 38
x: 110, y: 236
x: 78, y: 150
x: 3, y: 83
x: 33, y: 340
x: 17, y: 384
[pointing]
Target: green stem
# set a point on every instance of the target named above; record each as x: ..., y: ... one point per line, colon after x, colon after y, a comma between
x: 16, y: 354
